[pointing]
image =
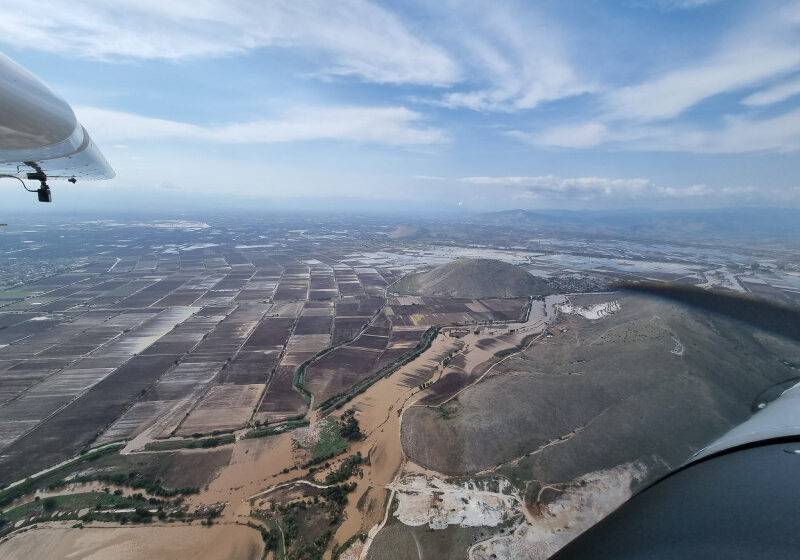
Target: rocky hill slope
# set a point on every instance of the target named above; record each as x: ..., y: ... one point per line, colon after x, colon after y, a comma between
x: 473, y: 278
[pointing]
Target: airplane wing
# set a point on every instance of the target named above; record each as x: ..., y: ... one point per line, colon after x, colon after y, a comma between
x: 40, y: 138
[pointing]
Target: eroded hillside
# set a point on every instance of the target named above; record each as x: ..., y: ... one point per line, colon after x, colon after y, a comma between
x: 473, y: 278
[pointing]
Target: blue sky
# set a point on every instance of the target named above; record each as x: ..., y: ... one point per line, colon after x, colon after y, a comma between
x: 549, y: 104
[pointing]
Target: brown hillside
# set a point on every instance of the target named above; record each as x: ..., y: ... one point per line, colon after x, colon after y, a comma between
x: 473, y: 278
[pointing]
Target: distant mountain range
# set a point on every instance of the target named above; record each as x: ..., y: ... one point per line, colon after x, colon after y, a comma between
x: 762, y: 224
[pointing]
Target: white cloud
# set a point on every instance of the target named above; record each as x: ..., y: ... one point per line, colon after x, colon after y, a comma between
x: 775, y: 94
x: 632, y: 191
x: 736, y: 134
x: 587, y: 188
x: 671, y: 94
x: 389, y: 125
x: 684, y: 4
x: 347, y: 37
x: 654, y: 113
x: 516, y: 58
x: 761, y: 48
x: 584, y: 135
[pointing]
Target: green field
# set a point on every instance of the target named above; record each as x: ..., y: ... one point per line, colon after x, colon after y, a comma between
x: 331, y: 442
x: 72, y: 503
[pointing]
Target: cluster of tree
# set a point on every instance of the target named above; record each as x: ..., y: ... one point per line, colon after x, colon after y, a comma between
x: 313, y: 550
x: 263, y: 430
x: 271, y: 541
x: 291, y: 528
x: 348, y: 426
x: 348, y: 468
x: 338, y: 494
x: 211, y: 442
x: 139, y: 515
x: 132, y: 480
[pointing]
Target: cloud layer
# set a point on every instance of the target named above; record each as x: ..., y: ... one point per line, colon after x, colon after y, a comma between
x: 392, y: 125
x: 523, y: 100
x: 587, y: 188
x: 347, y: 37
x: 656, y: 114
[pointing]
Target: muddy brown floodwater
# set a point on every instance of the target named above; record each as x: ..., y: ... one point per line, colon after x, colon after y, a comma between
x: 179, y: 542
x: 378, y: 415
x: 252, y: 466
x: 258, y: 464
x: 379, y: 412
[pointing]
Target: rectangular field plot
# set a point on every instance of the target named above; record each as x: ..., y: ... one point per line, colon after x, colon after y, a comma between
x: 292, y: 290
x: 225, y: 407
x: 369, y: 341
x: 217, y: 297
x: 350, y: 289
x: 281, y: 399
x: 285, y: 309
x: 69, y: 381
x: 323, y: 282
x: 339, y: 369
x: 314, y: 324
x: 250, y: 367
x: 151, y: 294
x: 22, y: 330
x: 8, y: 319
x: 271, y: 333
x: 506, y: 309
x: 63, y: 434
x: 414, y: 311
x: 247, y: 296
x: 322, y: 295
x: 13, y: 429
x: 179, y: 298
x: 192, y: 373
x: 405, y: 337
x: 373, y: 283
x: 363, y: 307
x: 136, y: 341
x: 233, y: 282
x: 32, y: 407
x: 296, y: 359
x: 66, y: 351
x: 134, y: 420
x: 295, y: 269
x: 318, y: 308
x: 347, y: 328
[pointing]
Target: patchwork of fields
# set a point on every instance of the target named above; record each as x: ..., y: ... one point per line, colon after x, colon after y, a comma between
x: 224, y: 367
x: 198, y: 341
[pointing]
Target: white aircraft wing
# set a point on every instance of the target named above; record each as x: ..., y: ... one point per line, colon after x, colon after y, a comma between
x: 40, y: 138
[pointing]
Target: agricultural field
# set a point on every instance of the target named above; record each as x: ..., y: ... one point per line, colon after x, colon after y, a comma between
x: 226, y: 357
x: 182, y: 338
